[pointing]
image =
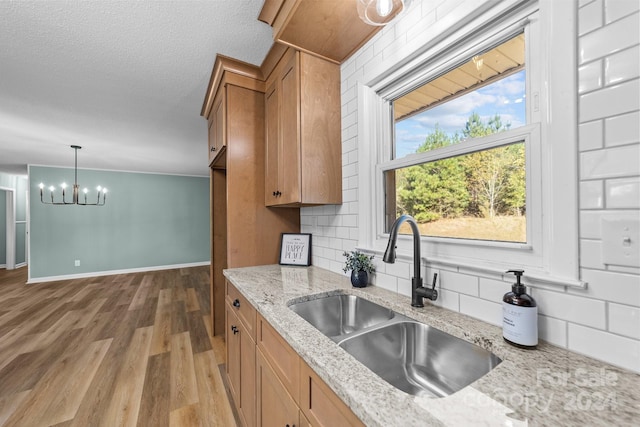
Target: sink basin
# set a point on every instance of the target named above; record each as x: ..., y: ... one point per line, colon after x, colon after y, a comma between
x: 338, y: 315
x: 419, y: 359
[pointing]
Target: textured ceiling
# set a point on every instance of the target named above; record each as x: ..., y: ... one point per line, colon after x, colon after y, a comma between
x: 123, y: 79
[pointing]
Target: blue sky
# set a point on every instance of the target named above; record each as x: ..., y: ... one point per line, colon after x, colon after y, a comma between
x: 504, y: 97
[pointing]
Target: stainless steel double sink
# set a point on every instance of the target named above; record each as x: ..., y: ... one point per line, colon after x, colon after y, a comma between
x: 412, y: 356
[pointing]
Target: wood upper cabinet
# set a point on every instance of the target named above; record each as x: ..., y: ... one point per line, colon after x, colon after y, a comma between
x: 303, y: 161
x: 328, y: 28
x: 217, y: 126
x: 243, y: 230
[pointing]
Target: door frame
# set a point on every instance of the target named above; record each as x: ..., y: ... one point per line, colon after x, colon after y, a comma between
x: 11, y: 227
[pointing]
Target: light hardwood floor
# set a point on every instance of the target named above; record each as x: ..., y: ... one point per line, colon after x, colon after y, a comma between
x: 121, y: 350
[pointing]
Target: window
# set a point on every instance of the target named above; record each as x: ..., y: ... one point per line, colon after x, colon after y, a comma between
x: 474, y: 194
x: 420, y: 151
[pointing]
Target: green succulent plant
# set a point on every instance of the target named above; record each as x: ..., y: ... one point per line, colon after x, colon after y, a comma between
x: 358, y: 261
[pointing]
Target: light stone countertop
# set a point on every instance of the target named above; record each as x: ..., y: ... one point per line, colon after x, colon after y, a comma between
x: 548, y: 386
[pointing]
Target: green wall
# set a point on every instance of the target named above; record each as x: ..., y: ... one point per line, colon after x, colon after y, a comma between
x: 149, y: 220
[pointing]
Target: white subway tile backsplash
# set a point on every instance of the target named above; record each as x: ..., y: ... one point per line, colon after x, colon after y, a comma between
x: 448, y: 299
x: 487, y: 311
x: 624, y: 320
x: 622, y: 130
x: 619, y: 99
x: 591, y: 195
x: 404, y: 286
x: 615, y: 162
x: 616, y: 9
x: 493, y: 290
x: 590, y: 17
x: 620, y: 351
x: 622, y: 66
x: 552, y: 330
x: 616, y: 36
x: 623, y: 193
x: 591, y: 135
x: 385, y: 281
x: 591, y: 224
x: 590, y: 77
x: 610, y: 286
x: 400, y: 269
x: 350, y: 119
x: 583, y: 3
x: 460, y: 283
x: 591, y: 254
x: 585, y: 311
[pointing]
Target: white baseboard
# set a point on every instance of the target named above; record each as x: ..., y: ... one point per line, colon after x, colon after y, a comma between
x: 112, y: 272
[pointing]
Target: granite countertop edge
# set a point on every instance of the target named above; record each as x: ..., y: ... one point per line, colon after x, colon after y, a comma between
x: 546, y: 386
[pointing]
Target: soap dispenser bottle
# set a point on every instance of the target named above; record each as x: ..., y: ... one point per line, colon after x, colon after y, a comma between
x: 519, y: 315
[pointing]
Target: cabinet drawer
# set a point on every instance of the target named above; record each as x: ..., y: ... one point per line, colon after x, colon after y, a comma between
x: 284, y: 360
x: 245, y: 311
x: 320, y: 404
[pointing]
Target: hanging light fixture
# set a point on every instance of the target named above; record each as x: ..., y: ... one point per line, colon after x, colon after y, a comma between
x: 102, y: 192
x: 380, y: 12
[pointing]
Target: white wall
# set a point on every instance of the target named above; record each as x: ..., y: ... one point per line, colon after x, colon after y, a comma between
x: 602, y: 321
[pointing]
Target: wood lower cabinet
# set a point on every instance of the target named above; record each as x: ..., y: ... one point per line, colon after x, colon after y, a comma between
x: 303, y: 161
x: 241, y: 358
x: 320, y: 404
x: 279, y: 389
x: 275, y: 406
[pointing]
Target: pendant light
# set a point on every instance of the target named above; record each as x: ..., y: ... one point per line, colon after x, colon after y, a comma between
x: 102, y: 192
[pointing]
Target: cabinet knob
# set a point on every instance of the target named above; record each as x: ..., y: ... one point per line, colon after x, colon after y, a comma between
x: 236, y: 303
x: 274, y: 193
x: 234, y: 329
x: 213, y: 149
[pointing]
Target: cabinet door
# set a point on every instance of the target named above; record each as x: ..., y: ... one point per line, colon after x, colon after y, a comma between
x: 320, y: 404
x: 218, y: 126
x: 241, y: 367
x: 289, y: 157
x: 271, y: 145
x: 233, y: 352
x: 276, y: 408
x: 212, y: 143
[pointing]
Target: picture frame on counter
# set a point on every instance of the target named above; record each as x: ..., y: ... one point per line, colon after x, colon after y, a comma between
x: 295, y: 249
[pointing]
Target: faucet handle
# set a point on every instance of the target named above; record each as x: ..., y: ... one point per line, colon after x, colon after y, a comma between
x: 432, y: 294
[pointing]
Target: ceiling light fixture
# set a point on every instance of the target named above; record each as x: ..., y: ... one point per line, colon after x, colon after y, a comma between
x: 380, y: 12
x: 102, y: 192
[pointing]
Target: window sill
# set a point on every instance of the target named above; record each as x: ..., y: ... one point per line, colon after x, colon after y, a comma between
x: 533, y: 278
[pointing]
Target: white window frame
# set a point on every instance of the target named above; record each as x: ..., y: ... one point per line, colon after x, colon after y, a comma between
x: 550, y: 255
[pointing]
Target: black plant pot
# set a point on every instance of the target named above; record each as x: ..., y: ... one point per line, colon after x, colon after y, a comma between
x: 359, y: 279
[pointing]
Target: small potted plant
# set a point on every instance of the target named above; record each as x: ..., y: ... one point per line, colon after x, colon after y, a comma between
x: 360, y: 265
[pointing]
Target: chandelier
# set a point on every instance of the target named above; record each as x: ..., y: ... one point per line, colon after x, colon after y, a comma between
x: 380, y: 12
x: 102, y: 192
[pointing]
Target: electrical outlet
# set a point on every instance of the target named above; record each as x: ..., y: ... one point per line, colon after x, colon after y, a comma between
x: 77, y: 263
